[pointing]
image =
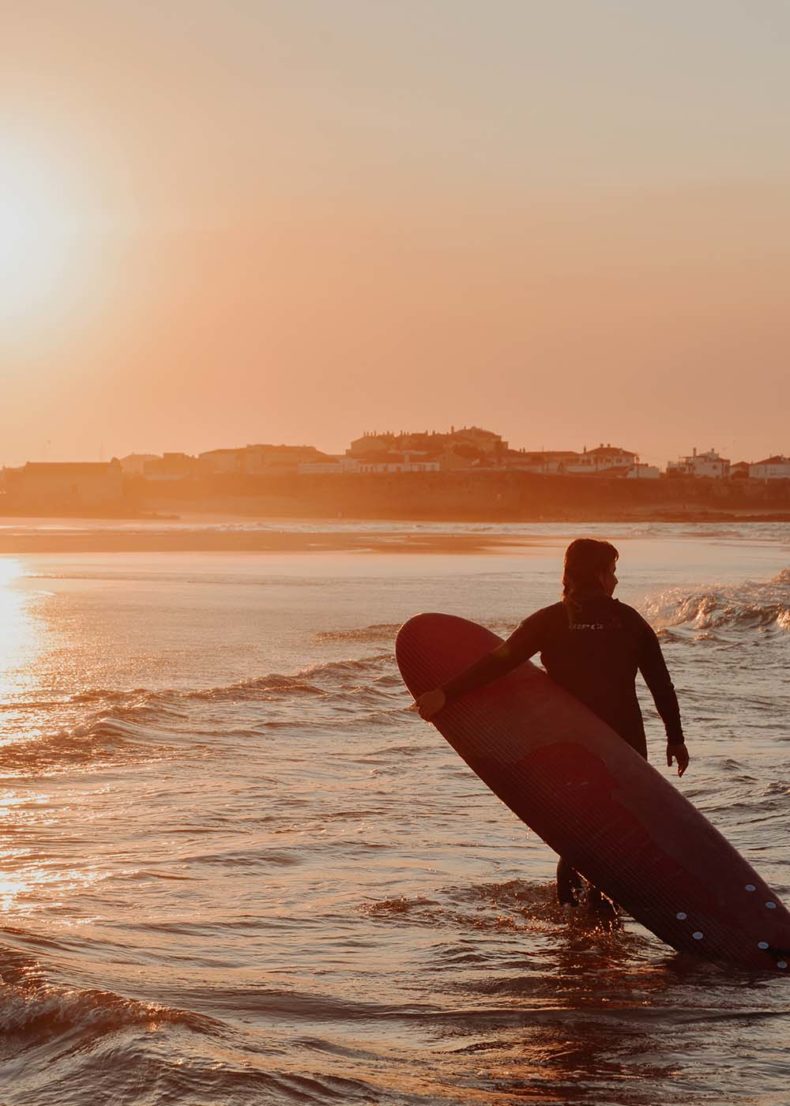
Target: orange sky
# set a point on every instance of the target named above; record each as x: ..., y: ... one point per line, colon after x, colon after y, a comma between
x: 295, y: 221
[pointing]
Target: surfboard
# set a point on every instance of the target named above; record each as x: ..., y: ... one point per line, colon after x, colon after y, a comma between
x: 573, y: 781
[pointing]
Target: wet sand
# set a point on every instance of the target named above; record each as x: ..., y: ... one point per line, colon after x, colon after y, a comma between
x: 69, y: 538
x: 222, y: 533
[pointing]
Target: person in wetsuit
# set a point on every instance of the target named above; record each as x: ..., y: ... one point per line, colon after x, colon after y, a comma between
x: 593, y: 646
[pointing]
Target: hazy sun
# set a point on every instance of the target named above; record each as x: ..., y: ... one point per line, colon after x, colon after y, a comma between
x: 37, y: 235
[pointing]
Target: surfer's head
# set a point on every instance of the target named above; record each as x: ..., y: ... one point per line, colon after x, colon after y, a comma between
x: 589, y: 568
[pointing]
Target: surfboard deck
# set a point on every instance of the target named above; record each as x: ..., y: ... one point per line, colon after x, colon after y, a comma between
x: 594, y: 800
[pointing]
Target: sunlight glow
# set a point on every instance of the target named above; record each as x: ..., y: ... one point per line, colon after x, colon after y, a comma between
x: 38, y: 232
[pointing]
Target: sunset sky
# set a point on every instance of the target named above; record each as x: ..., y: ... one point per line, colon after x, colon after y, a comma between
x: 227, y: 221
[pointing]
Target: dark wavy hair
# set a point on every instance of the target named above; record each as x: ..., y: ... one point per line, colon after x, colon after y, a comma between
x: 585, y: 560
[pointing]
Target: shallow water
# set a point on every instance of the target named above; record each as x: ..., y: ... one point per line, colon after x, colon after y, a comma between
x: 237, y: 869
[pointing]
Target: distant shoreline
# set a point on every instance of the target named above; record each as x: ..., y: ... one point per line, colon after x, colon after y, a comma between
x: 227, y: 534
x: 198, y: 541
x: 454, y: 497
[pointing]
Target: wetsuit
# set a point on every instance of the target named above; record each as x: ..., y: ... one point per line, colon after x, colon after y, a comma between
x: 593, y: 648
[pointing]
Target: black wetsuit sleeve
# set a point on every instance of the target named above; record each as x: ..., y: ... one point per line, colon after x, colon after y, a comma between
x: 656, y: 675
x: 522, y: 644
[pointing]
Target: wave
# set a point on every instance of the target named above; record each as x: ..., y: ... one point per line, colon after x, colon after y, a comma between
x: 387, y: 631
x: 47, y: 1009
x: 351, y: 666
x: 750, y: 605
x: 158, y: 704
x: 31, y: 1006
x: 260, y: 687
x: 317, y: 679
x: 102, y: 739
x: 377, y: 631
x: 144, y: 724
x: 108, y: 695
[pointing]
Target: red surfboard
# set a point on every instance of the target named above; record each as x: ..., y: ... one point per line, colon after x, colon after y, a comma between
x: 580, y: 787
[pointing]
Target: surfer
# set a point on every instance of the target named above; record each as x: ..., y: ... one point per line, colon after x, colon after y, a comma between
x: 592, y: 645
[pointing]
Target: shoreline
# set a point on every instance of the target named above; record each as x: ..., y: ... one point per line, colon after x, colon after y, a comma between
x: 237, y: 534
x: 191, y: 541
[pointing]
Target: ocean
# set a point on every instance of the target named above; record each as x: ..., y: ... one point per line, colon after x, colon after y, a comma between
x: 237, y: 869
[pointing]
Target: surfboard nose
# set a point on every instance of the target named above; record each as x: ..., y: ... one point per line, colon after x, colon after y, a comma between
x: 431, y: 648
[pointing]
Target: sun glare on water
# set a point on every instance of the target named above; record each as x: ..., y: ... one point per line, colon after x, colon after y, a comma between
x: 17, y: 638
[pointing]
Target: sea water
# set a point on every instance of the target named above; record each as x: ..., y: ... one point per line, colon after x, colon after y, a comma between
x: 237, y: 869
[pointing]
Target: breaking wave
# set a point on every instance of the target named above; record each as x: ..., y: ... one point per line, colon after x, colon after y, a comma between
x: 101, y: 739
x: 751, y: 605
x: 93, y: 1013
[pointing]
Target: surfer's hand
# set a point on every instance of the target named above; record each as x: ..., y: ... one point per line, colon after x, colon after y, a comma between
x: 430, y: 703
x: 679, y: 753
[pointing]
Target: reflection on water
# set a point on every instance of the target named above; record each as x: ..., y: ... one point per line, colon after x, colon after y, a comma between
x: 18, y: 644
x: 12, y: 888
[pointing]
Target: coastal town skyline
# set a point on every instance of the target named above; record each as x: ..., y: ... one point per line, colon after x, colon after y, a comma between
x: 97, y: 444
x: 414, y: 446
x: 463, y: 449
x: 468, y: 472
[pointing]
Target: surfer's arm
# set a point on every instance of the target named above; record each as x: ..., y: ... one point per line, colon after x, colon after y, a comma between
x: 482, y: 672
x: 522, y: 644
x: 656, y: 675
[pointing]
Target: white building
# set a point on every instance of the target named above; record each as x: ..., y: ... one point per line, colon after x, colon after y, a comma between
x: 772, y: 468
x: 700, y: 464
x: 349, y: 464
x: 472, y: 439
x: 604, y: 458
x: 640, y: 471
x: 399, y: 466
x: 333, y: 465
